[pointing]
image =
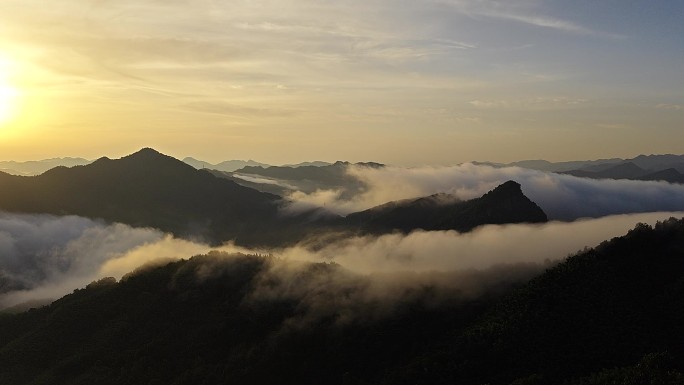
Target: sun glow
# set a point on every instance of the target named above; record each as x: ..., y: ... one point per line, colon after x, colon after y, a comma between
x: 8, y: 96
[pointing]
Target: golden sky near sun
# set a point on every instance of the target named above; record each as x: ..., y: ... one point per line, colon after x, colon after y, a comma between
x: 404, y: 82
x: 9, y: 106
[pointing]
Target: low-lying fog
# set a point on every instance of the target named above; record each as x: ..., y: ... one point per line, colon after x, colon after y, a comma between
x: 43, y: 256
x: 562, y: 197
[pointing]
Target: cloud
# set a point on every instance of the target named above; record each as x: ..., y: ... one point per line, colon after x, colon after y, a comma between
x: 58, y: 253
x: 672, y: 107
x: 538, y: 103
x: 265, y: 180
x: 233, y: 110
x: 48, y: 257
x: 332, y: 293
x: 368, y: 278
x: 482, y: 248
x: 562, y: 197
x: 524, y: 12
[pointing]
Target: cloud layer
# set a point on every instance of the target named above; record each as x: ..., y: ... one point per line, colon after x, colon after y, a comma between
x: 562, y: 197
x: 46, y: 257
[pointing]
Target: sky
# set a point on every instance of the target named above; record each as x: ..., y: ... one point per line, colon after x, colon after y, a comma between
x: 404, y: 82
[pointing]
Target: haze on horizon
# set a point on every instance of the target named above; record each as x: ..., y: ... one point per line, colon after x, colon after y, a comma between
x: 400, y: 82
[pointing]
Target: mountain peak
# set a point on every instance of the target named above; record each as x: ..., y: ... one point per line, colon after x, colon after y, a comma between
x: 508, y: 198
x: 509, y: 188
x: 145, y: 152
x: 149, y: 157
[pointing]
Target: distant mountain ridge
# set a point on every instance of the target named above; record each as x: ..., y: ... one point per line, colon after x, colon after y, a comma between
x: 228, y: 165
x: 315, y: 163
x: 665, y: 167
x: 36, y: 167
x: 236, y: 164
x: 629, y: 170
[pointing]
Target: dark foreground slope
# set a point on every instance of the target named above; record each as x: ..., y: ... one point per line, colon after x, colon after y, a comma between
x: 226, y: 320
x: 613, y: 311
x: 504, y: 204
x: 608, y: 315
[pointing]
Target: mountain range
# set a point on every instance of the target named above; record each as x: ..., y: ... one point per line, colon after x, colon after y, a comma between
x: 629, y: 170
x: 228, y: 165
x: 648, y: 162
x: 149, y: 189
x: 667, y: 167
x: 36, y: 167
